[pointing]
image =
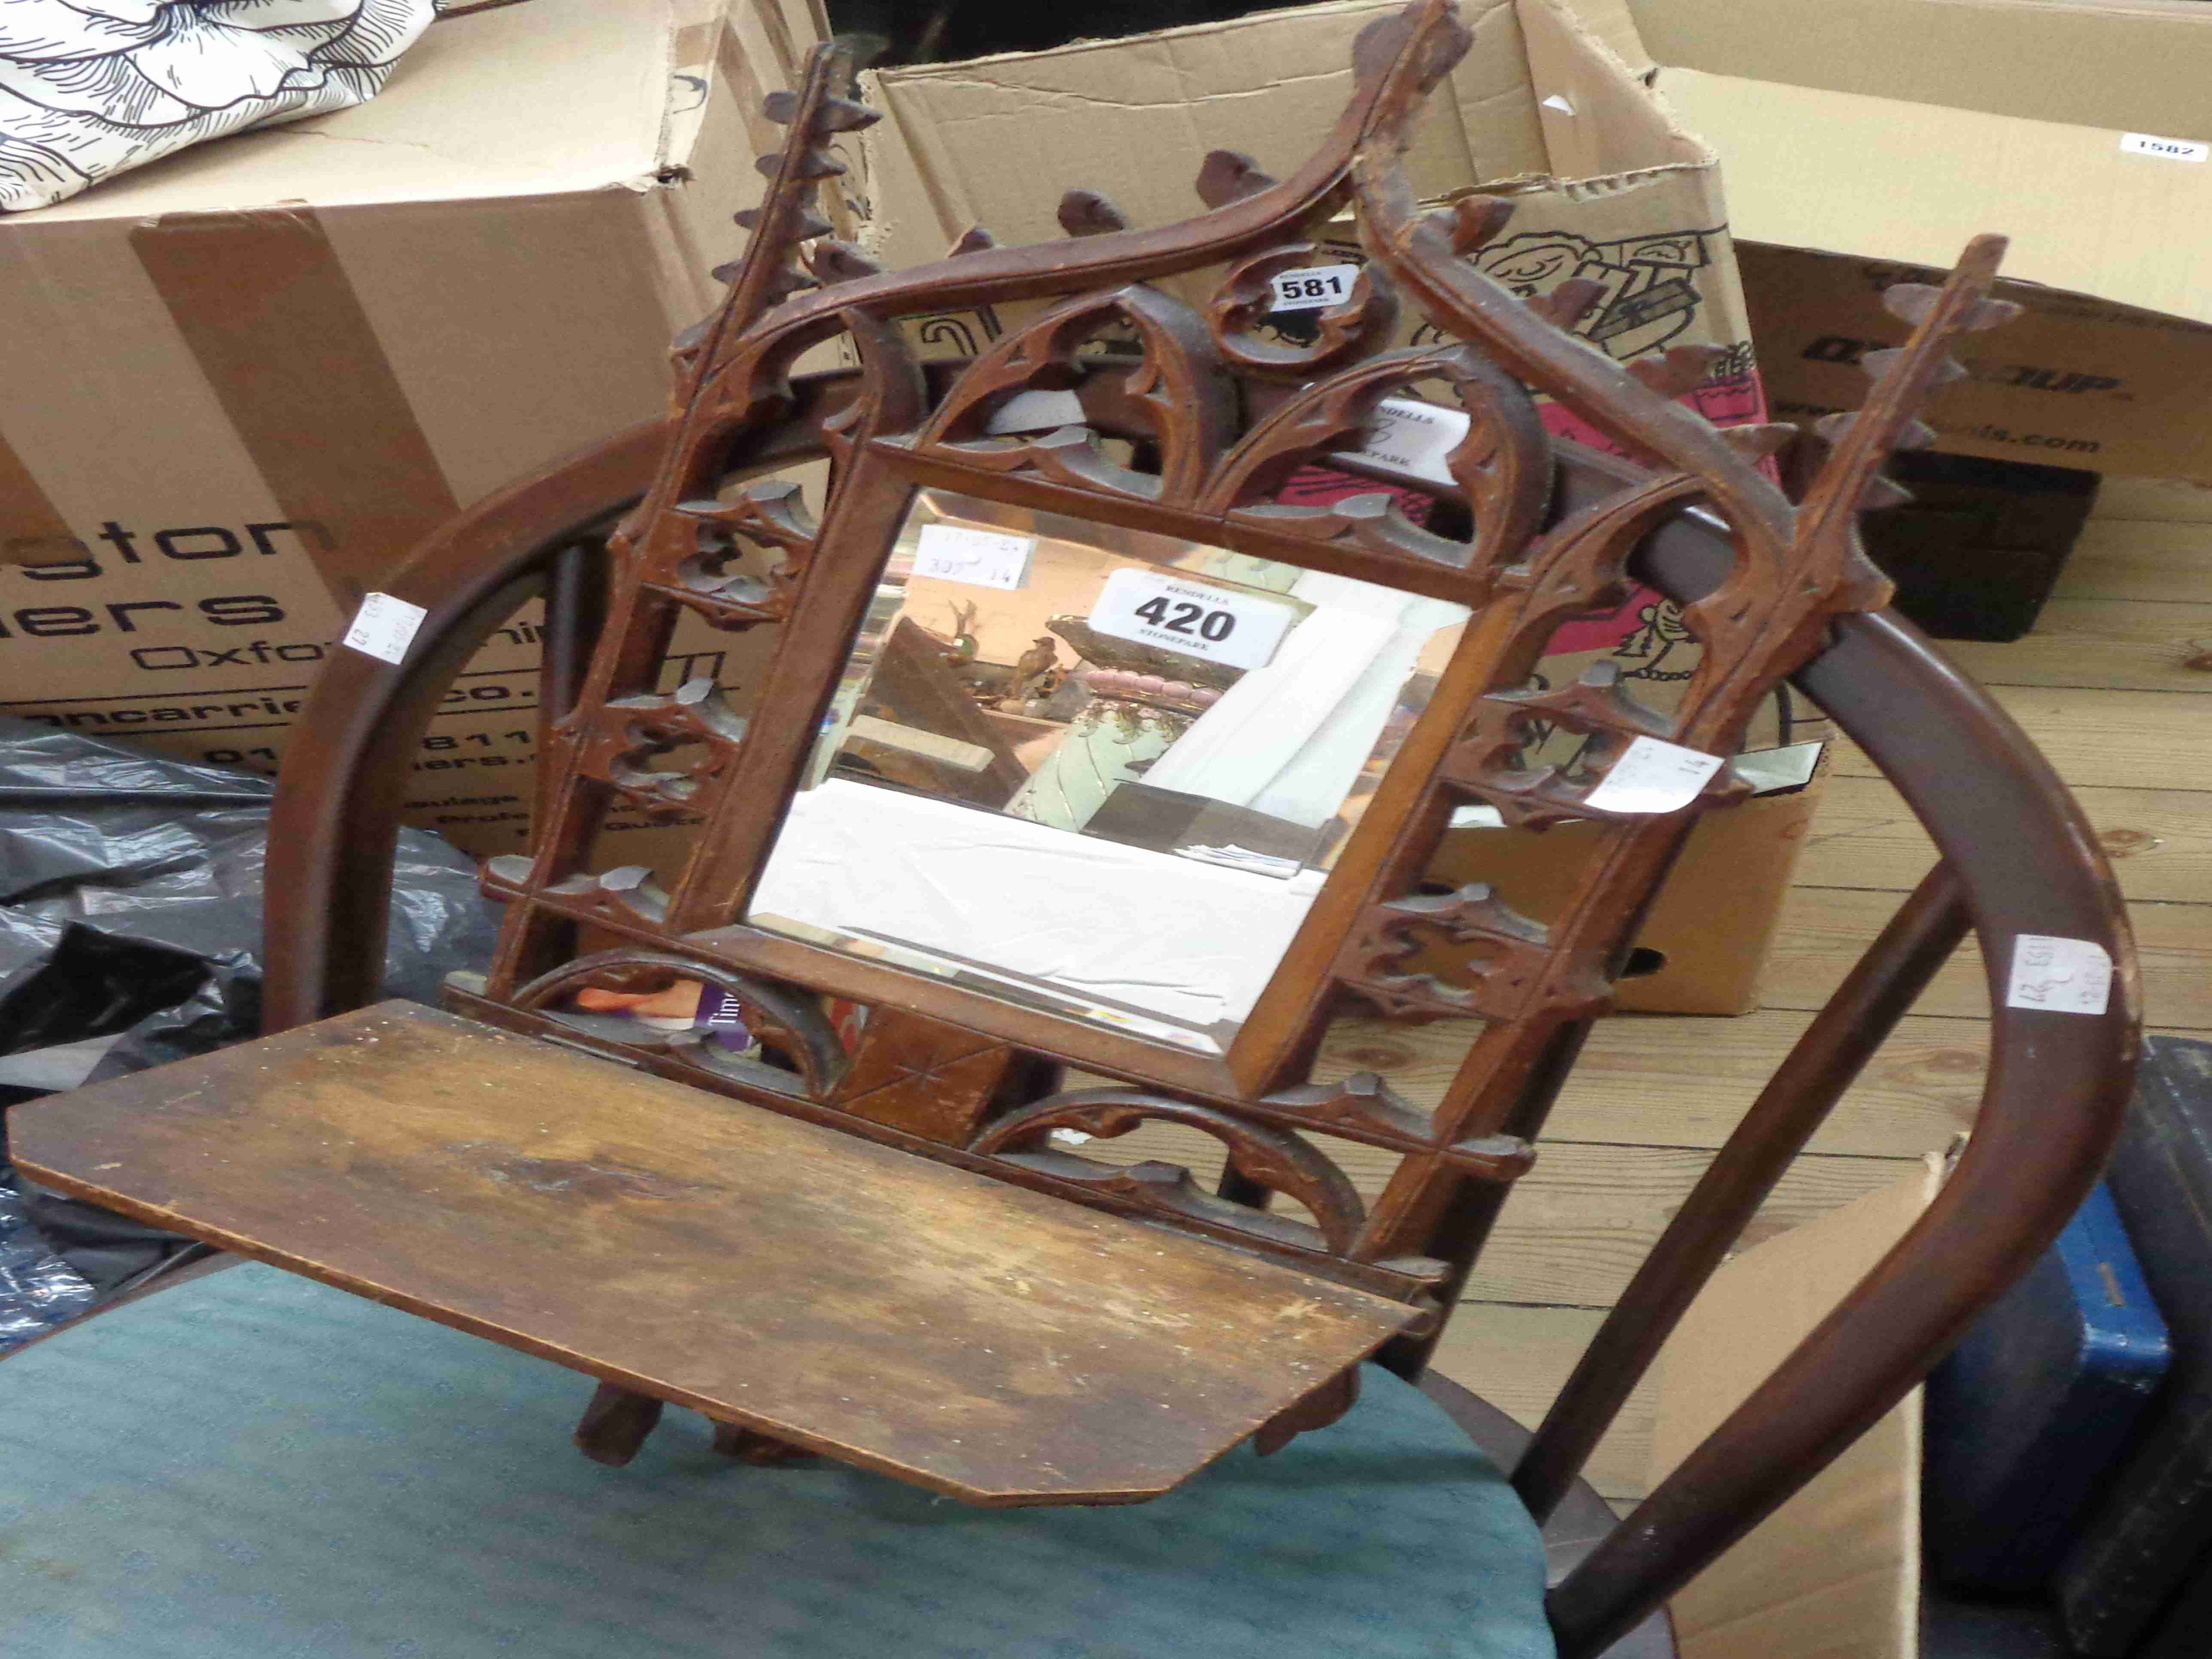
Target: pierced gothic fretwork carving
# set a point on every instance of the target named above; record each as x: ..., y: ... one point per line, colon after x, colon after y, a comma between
x: 1187, y: 424
x: 788, y: 1022
x: 1276, y: 1159
x: 628, y: 734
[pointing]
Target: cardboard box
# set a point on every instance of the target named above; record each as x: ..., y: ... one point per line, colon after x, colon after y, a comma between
x: 1703, y: 944
x: 1835, y: 1572
x: 236, y: 387
x: 1865, y: 141
x: 1621, y: 195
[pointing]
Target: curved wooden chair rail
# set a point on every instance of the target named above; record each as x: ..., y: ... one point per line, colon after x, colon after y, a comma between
x: 1772, y: 588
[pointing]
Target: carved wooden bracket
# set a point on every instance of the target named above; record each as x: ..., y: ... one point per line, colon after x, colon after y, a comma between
x: 929, y: 1078
x: 1345, y: 329
x: 1362, y: 1101
x: 788, y: 1021
x: 1485, y: 763
x: 1274, y: 1158
x: 623, y: 736
x: 694, y: 567
x: 1316, y: 1411
x: 1508, y: 953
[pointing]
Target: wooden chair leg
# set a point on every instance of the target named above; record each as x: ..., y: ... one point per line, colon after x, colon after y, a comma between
x: 761, y: 1451
x: 614, y: 1426
x: 1316, y: 1411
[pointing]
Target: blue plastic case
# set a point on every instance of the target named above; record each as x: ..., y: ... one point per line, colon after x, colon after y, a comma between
x: 2030, y: 1416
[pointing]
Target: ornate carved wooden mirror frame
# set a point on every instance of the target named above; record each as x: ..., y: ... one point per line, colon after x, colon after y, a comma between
x: 1219, y: 418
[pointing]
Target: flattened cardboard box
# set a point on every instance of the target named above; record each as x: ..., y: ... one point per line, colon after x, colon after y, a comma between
x: 1865, y: 141
x: 237, y: 386
x: 1835, y: 1572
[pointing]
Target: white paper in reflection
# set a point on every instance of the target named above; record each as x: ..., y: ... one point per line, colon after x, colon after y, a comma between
x: 1289, y: 739
x: 1189, y: 940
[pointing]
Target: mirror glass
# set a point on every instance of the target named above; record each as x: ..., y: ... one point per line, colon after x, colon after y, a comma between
x: 1096, y: 771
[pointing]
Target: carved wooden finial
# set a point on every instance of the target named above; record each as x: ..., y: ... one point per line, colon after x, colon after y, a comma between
x: 1910, y: 435
x: 1567, y: 304
x: 840, y: 262
x: 1475, y: 222
x: 833, y: 114
x: 1757, y: 442
x: 1229, y: 175
x: 1851, y: 481
x: 1086, y: 213
x: 785, y: 219
x: 1677, y: 369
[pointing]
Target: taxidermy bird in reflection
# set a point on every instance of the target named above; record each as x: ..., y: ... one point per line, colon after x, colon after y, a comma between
x: 1032, y: 665
x: 964, y: 631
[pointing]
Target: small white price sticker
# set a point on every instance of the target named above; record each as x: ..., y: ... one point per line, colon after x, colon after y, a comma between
x: 1411, y: 437
x: 1311, y: 288
x: 1155, y: 607
x: 384, y: 626
x: 985, y: 558
x: 1653, y: 776
x: 2170, y: 149
x: 2061, y: 975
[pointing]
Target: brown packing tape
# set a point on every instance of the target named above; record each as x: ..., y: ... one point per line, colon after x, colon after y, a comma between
x: 31, y: 531
x: 778, y: 33
x: 735, y: 66
x: 273, y: 322
x: 694, y: 43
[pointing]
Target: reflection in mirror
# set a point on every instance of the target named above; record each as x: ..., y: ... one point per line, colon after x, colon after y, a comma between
x: 1096, y: 771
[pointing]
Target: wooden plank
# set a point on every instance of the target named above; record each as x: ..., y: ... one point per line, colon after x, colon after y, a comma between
x: 1577, y: 1224
x: 1667, y: 1079
x: 975, y: 1338
x: 1662, y: 1080
x: 2100, y: 739
x: 1518, y: 1359
x: 2137, y: 559
x: 2113, y: 644
x: 2160, y: 840
x: 1825, y: 929
x: 2177, y: 500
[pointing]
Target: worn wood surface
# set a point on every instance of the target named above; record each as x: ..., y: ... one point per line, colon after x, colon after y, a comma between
x: 2152, y: 561
x: 2159, y: 840
x: 951, y: 1330
x: 2103, y: 644
x: 2100, y: 739
x: 915, y: 1074
x: 1824, y: 929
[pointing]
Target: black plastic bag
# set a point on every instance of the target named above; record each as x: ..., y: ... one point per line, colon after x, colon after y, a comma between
x: 130, y: 935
